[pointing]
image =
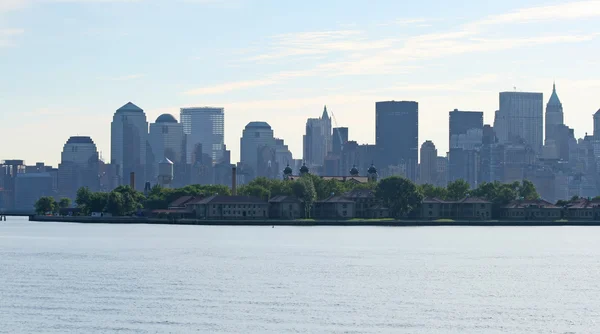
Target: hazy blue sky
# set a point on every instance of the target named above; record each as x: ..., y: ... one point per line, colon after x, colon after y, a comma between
x: 67, y: 65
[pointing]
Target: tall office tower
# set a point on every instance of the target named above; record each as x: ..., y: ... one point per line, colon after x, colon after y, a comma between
x: 166, y: 141
x: 317, y: 140
x: 204, y: 127
x: 428, y: 166
x: 79, y: 167
x: 339, y: 138
x: 442, y: 171
x: 554, y: 115
x: 523, y: 114
x: 491, y: 157
x: 465, y: 138
x: 397, y: 136
x: 129, y: 143
x: 8, y: 173
x: 597, y: 125
x: 255, y: 136
x: 462, y: 121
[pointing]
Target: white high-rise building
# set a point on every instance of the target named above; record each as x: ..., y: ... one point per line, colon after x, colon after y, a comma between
x: 129, y: 143
x: 204, y: 126
x: 166, y: 141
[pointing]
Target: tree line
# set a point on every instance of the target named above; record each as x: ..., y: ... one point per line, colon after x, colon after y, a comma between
x: 399, y: 194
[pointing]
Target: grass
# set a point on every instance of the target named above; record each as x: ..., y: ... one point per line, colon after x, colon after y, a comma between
x: 444, y: 220
x: 373, y: 219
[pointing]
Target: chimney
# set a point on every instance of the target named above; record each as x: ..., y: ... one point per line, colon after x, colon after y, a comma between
x: 233, y: 181
x: 132, y: 180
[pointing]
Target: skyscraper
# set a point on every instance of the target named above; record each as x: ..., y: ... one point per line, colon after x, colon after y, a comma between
x: 339, y: 138
x: 166, y: 141
x: 597, y: 125
x: 462, y: 121
x: 317, y: 140
x: 428, y: 166
x: 204, y: 126
x: 255, y: 136
x: 554, y: 115
x: 465, y: 139
x: 397, y: 135
x: 129, y: 143
x: 79, y: 167
x: 523, y: 115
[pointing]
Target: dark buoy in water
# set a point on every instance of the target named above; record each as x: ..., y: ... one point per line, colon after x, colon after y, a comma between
x: 273, y: 226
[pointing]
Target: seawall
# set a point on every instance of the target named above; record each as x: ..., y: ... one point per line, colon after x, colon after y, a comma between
x: 273, y: 222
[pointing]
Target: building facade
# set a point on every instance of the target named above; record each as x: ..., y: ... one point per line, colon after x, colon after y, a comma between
x: 317, y: 140
x: 428, y: 167
x: 79, y: 167
x: 554, y: 115
x: 129, y: 143
x: 397, y: 136
x: 522, y: 119
x: 204, y: 127
x: 166, y: 141
x: 255, y: 136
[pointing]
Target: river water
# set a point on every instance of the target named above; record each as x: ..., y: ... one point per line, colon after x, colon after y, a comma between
x: 76, y: 278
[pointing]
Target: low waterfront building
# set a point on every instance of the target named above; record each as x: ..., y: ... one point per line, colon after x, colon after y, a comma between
x: 467, y: 208
x: 286, y: 207
x: 230, y: 207
x: 334, y: 207
x: 582, y: 209
x: 366, y: 204
x: 531, y: 210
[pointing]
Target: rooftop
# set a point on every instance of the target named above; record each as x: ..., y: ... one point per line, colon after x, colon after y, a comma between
x: 130, y: 107
x: 80, y: 140
x: 554, y: 100
x: 258, y: 125
x: 166, y: 118
x: 222, y: 199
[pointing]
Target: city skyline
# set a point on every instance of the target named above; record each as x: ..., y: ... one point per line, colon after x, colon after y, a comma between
x: 338, y: 57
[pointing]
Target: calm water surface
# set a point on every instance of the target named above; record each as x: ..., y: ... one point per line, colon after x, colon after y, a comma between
x: 73, y: 278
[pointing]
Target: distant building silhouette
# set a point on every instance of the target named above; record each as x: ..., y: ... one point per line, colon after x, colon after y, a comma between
x: 554, y: 115
x: 204, y: 126
x: 317, y: 141
x: 428, y: 166
x: 520, y: 119
x: 166, y: 140
x: 79, y: 167
x: 397, y: 136
x: 129, y: 143
x: 255, y: 136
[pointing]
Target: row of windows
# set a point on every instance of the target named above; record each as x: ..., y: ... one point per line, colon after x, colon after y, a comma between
x: 236, y: 206
x: 534, y: 214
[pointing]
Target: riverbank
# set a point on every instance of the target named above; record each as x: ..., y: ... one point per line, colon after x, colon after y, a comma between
x: 308, y: 222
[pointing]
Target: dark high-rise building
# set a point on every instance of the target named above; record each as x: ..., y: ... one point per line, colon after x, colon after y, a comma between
x: 465, y: 139
x: 340, y: 137
x: 397, y: 135
x: 597, y: 125
x: 462, y: 121
x: 554, y: 115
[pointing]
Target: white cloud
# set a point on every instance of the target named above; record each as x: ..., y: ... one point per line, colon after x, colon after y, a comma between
x: 353, y: 52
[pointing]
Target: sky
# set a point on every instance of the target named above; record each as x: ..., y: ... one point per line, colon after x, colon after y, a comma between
x: 67, y: 65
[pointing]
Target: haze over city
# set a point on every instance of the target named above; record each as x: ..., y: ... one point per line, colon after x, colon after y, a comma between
x: 68, y: 65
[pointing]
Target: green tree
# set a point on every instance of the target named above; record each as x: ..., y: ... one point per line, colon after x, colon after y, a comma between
x: 64, y: 203
x: 255, y: 191
x: 44, y: 205
x: 83, y: 199
x: 400, y: 195
x: 304, y: 189
x: 458, y: 189
x: 527, y: 190
x: 97, y: 202
x: 115, y: 204
x: 432, y: 191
